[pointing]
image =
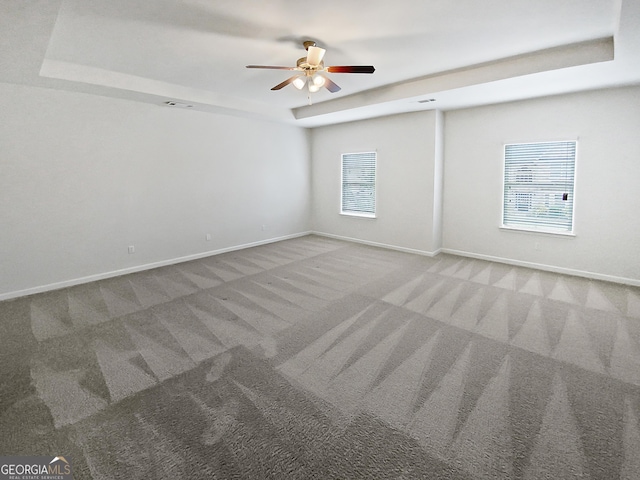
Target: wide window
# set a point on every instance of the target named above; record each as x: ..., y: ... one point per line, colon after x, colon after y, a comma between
x: 538, y: 186
x: 358, y: 184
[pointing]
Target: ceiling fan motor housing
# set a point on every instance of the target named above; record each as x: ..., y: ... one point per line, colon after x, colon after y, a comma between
x: 307, y: 67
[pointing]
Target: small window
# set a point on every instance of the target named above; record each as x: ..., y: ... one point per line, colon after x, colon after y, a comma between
x: 538, y: 186
x: 359, y: 184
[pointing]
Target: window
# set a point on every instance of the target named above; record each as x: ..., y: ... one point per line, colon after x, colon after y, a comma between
x: 359, y: 184
x: 538, y: 186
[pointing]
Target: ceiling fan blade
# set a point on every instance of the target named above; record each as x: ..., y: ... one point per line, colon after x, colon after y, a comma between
x: 285, y: 83
x: 352, y: 69
x: 315, y: 55
x: 331, y: 85
x: 273, y: 67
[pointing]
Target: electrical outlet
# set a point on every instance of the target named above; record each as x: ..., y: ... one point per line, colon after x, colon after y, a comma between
x: 536, y: 246
x: 264, y: 227
x: 207, y: 237
x: 131, y: 249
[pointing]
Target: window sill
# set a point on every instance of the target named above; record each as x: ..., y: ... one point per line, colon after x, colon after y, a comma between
x: 360, y: 215
x: 534, y: 230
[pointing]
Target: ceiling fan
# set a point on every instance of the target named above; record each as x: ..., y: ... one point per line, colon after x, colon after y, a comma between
x: 311, y: 71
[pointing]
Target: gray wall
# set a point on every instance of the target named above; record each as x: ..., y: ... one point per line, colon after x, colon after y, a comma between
x: 607, y: 190
x: 411, y: 149
x: 83, y: 177
x: 406, y: 174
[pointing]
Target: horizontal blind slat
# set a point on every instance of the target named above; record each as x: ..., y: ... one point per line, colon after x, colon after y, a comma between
x: 538, y: 185
x: 358, y: 182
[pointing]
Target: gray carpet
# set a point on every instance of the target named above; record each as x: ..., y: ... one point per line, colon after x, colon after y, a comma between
x: 314, y: 358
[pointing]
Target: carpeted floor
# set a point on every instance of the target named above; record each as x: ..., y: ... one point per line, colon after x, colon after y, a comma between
x: 314, y: 358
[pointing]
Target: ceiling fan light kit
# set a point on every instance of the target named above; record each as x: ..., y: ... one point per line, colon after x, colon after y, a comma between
x: 313, y: 87
x: 299, y: 82
x: 318, y: 80
x: 310, y: 68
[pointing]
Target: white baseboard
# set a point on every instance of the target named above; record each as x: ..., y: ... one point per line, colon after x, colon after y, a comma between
x: 540, y: 266
x: 377, y: 244
x: 140, y: 268
x: 549, y: 268
x: 173, y: 261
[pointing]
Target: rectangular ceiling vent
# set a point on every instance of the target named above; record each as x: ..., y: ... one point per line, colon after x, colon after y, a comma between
x: 177, y: 104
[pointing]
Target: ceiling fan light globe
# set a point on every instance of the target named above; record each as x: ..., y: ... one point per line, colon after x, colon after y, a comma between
x: 318, y: 80
x: 313, y: 87
x: 299, y: 82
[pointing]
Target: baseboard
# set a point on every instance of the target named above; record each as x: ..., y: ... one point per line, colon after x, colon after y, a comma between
x: 378, y: 244
x: 173, y: 261
x: 548, y: 268
x: 140, y: 268
x: 540, y: 266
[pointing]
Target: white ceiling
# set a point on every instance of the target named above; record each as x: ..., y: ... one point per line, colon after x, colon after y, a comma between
x: 460, y: 53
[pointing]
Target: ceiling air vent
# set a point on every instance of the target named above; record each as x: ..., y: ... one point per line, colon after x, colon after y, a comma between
x: 427, y: 100
x: 177, y: 104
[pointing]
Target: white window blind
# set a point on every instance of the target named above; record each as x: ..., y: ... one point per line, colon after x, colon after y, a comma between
x: 359, y: 184
x: 538, y: 186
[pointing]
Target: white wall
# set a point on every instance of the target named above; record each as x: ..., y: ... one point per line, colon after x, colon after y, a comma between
x: 82, y: 177
x: 607, y: 213
x: 438, y: 181
x: 406, y: 148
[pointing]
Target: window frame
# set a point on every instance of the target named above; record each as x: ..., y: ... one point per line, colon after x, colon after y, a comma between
x: 374, y: 183
x: 540, y: 227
